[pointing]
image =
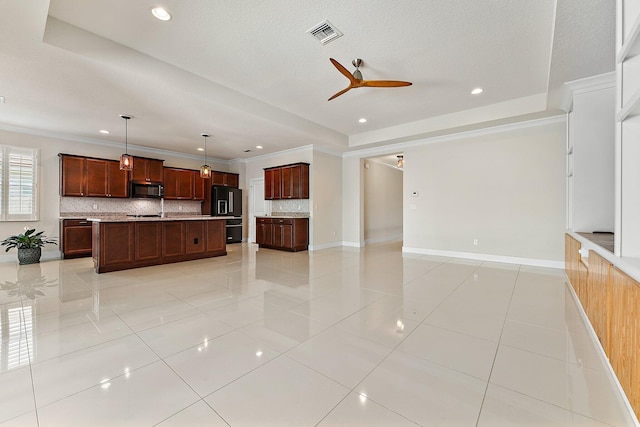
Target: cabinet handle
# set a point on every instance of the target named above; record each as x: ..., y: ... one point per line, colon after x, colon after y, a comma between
x: 83, y: 222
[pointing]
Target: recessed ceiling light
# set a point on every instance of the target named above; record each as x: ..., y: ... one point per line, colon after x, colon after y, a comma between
x: 259, y: 147
x: 161, y: 13
x: 104, y: 131
x: 362, y: 120
x: 200, y: 149
x: 477, y: 91
x: 1, y: 99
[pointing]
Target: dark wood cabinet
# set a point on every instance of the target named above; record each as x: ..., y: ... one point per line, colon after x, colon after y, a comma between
x: 76, y: 238
x: 272, y: 183
x: 178, y: 184
x: 291, y: 234
x: 147, y: 170
x: 173, y: 239
x: 200, y: 186
x: 113, y: 244
x: 196, y: 237
x: 287, y: 182
x: 91, y: 177
x: 105, y: 179
x: 131, y: 244
x: 227, y: 179
x: 72, y: 175
x: 148, y: 241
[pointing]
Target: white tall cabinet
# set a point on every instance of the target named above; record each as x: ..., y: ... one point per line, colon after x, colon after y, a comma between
x: 627, y: 230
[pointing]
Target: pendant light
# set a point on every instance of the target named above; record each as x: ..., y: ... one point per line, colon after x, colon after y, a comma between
x: 205, y: 169
x: 400, y: 161
x: 126, y: 161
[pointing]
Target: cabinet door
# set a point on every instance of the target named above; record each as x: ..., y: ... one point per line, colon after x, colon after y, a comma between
x: 196, y: 242
x: 117, y: 180
x: 286, y: 236
x: 304, y: 182
x: 76, y: 238
x: 148, y: 240
x: 218, y: 178
x: 96, y: 178
x: 139, y: 172
x: 272, y: 184
x: 185, y: 184
x: 173, y: 238
x: 72, y: 176
x: 170, y: 180
x: 116, y: 243
x: 154, y: 170
x: 233, y: 180
x: 286, y: 188
x: 199, y: 186
x: 216, y: 236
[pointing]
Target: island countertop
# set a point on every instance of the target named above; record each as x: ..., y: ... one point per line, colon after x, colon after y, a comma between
x: 120, y: 218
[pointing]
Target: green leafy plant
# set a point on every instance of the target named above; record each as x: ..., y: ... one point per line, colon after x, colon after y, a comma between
x: 29, y: 240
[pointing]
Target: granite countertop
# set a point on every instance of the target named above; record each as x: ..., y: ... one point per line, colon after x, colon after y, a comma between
x: 120, y: 218
x: 287, y: 216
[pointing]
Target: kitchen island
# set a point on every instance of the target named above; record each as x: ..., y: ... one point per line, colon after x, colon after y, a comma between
x: 121, y: 243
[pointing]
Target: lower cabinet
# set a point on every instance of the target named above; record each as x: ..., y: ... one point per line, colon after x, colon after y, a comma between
x: 131, y: 244
x: 289, y: 234
x: 76, y: 238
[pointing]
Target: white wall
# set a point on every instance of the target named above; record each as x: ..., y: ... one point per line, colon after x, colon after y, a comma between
x: 506, y: 189
x: 382, y: 202
x: 352, y: 201
x: 49, y: 199
x: 326, y: 183
x: 592, y: 137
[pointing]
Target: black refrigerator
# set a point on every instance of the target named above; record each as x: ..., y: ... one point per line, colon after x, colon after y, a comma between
x: 227, y: 201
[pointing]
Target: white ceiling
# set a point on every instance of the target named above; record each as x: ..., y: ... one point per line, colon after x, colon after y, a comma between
x: 247, y: 72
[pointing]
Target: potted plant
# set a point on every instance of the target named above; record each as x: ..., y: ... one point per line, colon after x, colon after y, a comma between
x: 29, y: 245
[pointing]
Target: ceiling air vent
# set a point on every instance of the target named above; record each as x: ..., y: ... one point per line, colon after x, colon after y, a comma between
x: 324, y: 32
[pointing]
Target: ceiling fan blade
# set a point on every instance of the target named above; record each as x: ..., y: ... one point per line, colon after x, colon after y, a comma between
x: 343, y: 70
x: 384, y: 83
x: 340, y: 93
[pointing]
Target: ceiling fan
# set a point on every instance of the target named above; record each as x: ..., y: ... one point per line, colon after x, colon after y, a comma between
x: 356, y: 81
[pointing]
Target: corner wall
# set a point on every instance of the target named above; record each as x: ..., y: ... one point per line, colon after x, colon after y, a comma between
x: 504, y: 187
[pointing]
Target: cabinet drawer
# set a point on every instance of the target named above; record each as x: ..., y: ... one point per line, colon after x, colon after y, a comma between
x: 285, y: 221
x: 263, y: 220
x: 76, y: 222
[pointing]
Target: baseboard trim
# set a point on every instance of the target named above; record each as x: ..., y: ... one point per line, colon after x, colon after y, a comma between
x: 486, y: 257
x: 352, y: 244
x: 325, y: 246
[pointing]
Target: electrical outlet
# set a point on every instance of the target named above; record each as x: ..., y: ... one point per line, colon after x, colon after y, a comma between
x: 475, y: 242
x: 95, y: 206
x: 179, y: 207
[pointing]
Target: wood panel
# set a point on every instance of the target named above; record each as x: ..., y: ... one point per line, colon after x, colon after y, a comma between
x: 216, y: 236
x: 118, y: 248
x: 625, y: 334
x: 97, y: 176
x: 599, y: 297
x: 148, y: 241
x: 173, y: 238
x: 72, y: 176
x: 583, y: 276
x: 572, y: 258
x: 196, y: 240
x: 117, y: 180
x: 76, y: 238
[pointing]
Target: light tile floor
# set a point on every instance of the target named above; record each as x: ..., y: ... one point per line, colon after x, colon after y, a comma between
x: 336, y: 337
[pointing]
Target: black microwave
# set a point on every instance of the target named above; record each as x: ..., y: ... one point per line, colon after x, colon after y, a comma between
x: 147, y: 190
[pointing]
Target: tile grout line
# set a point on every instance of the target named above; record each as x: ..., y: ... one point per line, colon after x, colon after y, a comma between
x: 495, y: 356
x: 23, y: 329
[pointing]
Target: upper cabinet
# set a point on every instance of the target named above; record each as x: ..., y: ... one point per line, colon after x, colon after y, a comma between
x: 73, y: 172
x: 105, y: 179
x: 225, y: 178
x: 178, y: 184
x: 147, y: 170
x: 89, y: 177
x: 287, y: 182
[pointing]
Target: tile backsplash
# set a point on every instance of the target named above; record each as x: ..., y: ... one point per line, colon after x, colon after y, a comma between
x: 293, y: 205
x: 69, y: 205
